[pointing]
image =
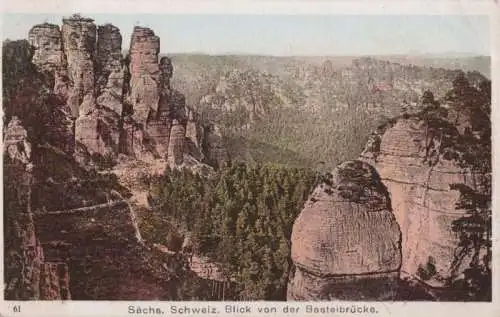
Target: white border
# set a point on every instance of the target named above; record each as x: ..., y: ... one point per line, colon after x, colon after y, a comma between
x: 364, y: 7
x: 369, y: 7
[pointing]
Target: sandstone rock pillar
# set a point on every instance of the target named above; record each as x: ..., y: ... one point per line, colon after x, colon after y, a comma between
x: 79, y: 42
x: 346, y: 243
x: 109, y: 69
x: 176, y: 144
x: 144, y: 73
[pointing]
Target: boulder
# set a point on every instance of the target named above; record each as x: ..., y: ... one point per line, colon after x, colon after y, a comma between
x: 345, y: 239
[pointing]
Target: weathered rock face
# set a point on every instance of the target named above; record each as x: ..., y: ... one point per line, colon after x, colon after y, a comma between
x: 79, y: 42
x: 410, y: 155
x: 114, y: 104
x: 159, y: 123
x: 346, y: 238
x: 176, y: 144
x: 27, y: 274
x: 158, y: 132
x: 55, y: 275
x: 110, y: 71
x: 194, y: 136
x: 89, y: 239
x: 46, y: 41
x: 16, y: 143
x: 99, y: 131
x: 67, y: 234
x: 144, y: 73
x: 49, y: 58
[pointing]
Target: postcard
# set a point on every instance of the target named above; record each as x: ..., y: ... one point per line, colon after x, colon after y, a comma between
x: 264, y: 158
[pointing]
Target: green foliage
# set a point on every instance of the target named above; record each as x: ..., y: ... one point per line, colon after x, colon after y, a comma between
x: 242, y: 217
x: 475, y: 242
x: 288, y: 136
x: 474, y: 228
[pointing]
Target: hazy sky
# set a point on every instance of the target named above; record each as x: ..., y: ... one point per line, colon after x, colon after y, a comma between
x: 291, y: 34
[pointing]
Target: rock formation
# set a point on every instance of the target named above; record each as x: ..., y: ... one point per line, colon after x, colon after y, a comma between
x: 417, y: 159
x: 47, y: 43
x: 28, y: 274
x: 50, y: 60
x: 68, y: 238
x: 144, y: 73
x: 346, y: 243
x: 110, y: 69
x: 194, y: 136
x: 79, y: 44
x: 114, y: 104
x: 176, y: 143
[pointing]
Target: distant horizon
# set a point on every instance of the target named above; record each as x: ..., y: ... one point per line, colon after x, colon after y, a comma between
x: 409, y: 54
x: 453, y: 36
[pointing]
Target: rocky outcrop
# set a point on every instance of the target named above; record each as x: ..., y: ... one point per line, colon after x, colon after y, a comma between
x: 90, y: 249
x: 144, y: 73
x: 99, y: 131
x: 28, y: 275
x: 79, y: 37
x: 176, y: 144
x: 47, y: 44
x: 114, y: 104
x: 16, y: 144
x: 346, y: 243
x: 95, y: 70
x: 109, y: 69
x: 49, y: 59
x: 55, y: 275
x: 418, y: 158
x: 67, y: 234
x: 194, y: 136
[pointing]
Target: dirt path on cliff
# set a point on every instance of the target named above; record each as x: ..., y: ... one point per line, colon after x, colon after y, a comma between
x: 131, y: 174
